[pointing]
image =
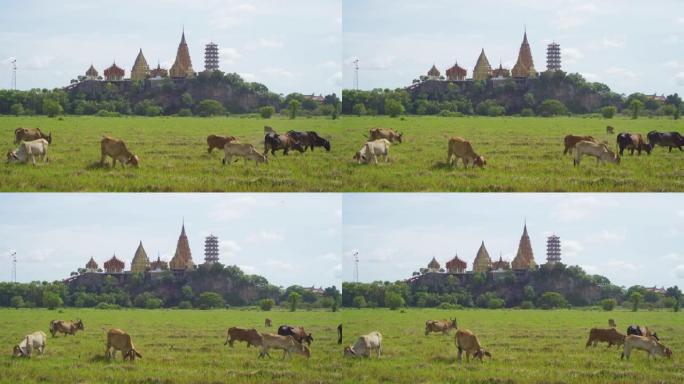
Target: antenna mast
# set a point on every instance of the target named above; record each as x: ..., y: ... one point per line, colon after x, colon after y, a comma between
x: 14, y: 267
x: 14, y: 73
x: 356, y: 266
x: 356, y: 74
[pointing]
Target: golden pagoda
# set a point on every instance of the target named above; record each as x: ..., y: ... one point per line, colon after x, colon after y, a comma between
x: 91, y: 266
x: 141, y: 70
x: 182, y: 67
x: 182, y: 260
x: 524, y: 67
x: 483, y: 70
x: 91, y: 73
x: 140, y: 261
x: 482, y: 262
x: 524, y: 259
x: 433, y: 265
x: 433, y: 73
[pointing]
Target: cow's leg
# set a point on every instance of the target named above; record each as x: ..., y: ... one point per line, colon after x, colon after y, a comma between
x: 680, y: 148
x: 379, y: 348
x: 460, y: 353
x: 103, y: 158
x: 669, y: 149
x: 588, y: 343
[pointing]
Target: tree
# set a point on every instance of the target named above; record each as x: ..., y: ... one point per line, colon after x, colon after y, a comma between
x: 266, y: 304
x: 293, y: 298
x: 51, y: 300
x: 529, y: 101
x: 636, y: 106
x: 393, y: 107
x: 210, y: 107
x: 551, y: 300
x: 17, y: 109
x: 359, y: 109
x: 208, y: 300
x: 186, y: 100
x: 394, y: 300
x: 359, y: 302
x: 266, y: 111
x: 293, y: 107
x: 52, y: 108
x: 185, y: 112
x: 17, y: 302
x: 608, y: 112
x: 186, y: 293
x: 608, y: 304
x: 185, y: 305
x: 552, y: 107
x: 635, y: 298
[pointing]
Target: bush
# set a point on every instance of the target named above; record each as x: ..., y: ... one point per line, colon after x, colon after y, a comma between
x: 185, y: 112
x: 450, y: 306
x: 152, y: 111
x: 359, y: 302
x: 210, y: 107
x: 52, y: 108
x: 208, y: 300
x: 359, y: 109
x: 608, y: 112
x: 527, y: 112
x: 393, y: 108
x: 669, y: 302
x: 495, y: 303
x: 185, y: 305
x: 51, y: 300
x: 266, y: 111
x: 551, y: 300
x: 107, y: 306
x: 106, y: 113
x: 526, y: 304
x: 608, y: 304
x: 17, y: 302
x: 293, y: 107
x: 447, y: 113
x: 17, y: 109
x: 394, y: 300
x: 293, y: 298
x: 266, y: 304
x: 552, y: 107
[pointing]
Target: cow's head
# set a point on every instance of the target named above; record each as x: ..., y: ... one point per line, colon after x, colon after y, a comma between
x: 481, y: 353
x: 480, y: 161
x: 134, y: 161
x: 349, y: 352
x: 667, y: 352
x: 324, y: 143
x: 258, y: 157
x: 308, y: 338
x: 131, y: 355
x: 17, y: 352
x: 49, y: 138
x: 12, y: 157
x: 297, y: 146
x: 79, y: 325
x: 648, y: 147
x: 358, y: 156
x: 400, y: 137
x: 453, y: 323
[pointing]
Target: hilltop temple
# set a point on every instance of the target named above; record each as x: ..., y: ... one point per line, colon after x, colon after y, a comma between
x: 182, y: 260
x: 483, y: 70
x: 141, y: 70
x: 524, y: 67
x: 140, y: 261
x: 182, y: 67
x: 524, y: 259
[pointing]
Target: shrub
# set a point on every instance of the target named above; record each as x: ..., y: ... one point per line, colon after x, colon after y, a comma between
x: 208, y: 300
x: 52, y: 108
x: 526, y: 304
x: 266, y: 111
x: 635, y: 298
x: 293, y: 298
x: 107, y: 306
x: 551, y: 300
x: 17, y: 109
x: 359, y: 109
x: 608, y: 304
x: 17, y: 302
x: 669, y: 302
x: 450, y: 306
x: 185, y: 305
x: 527, y: 112
x: 495, y: 303
x: 152, y: 111
x: 394, y: 300
x: 266, y: 304
x: 552, y: 107
x: 293, y: 107
x: 153, y: 303
x: 608, y: 112
x: 51, y: 300
x: 359, y: 302
x: 210, y: 107
x: 185, y: 112
x: 393, y: 108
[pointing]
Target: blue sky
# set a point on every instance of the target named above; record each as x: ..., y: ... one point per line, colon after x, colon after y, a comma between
x: 287, y: 238
x: 629, y: 238
x: 292, y: 46
x: 632, y: 46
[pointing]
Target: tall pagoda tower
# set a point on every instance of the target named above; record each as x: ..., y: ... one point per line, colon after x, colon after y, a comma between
x: 524, y: 67
x: 553, y: 250
x: 182, y: 67
x: 553, y: 57
x: 482, y: 262
x: 141, y: 70
x: 524, y: 259
x: 211, y: 249
x: 482, y: 70
x: 140, y: 261
x: 211, y: 57
x: 182, y: 260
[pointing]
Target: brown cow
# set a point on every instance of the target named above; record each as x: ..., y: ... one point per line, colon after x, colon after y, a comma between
x: 30, y: 134
x: 385, y: 133
x: 461, y: 149
x: 218, y: 142
x: 249, y: 336
x: 571, y: 140
x: 609, y: 335
x: 650, y: 345
x: 298, y: 333
x: 116, y: 149
x: 274, y: 141
x: 66, y: 327
x: 267, y: 322
x: 610, y: 130
x: 118, y: 340
x: 611, y: 323
x: 443, y: 326
x: 632, y: 142
x: 468, y: 342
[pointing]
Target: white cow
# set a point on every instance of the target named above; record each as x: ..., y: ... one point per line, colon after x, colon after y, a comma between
x: 28, y: 150
x: 365, y: 345
x: 34, y: 341
x: 372, y: 149
x: 599, y: 150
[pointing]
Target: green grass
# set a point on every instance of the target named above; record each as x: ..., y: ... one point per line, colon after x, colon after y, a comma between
x: 173, y: 156
x: 177, y: 347
x: 527, y: 346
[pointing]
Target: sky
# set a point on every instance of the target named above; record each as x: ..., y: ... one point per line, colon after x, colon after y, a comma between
x: 287, y: 238
x: 628, y: 238
x: 292, y: 46
x: 630, y: 45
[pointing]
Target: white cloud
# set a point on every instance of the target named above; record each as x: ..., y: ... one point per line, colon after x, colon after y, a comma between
x: 612, y: 43
x: 233, y: 208
x: 248, y: 269
x: 621, y: 72
x: 265, y: 236
x: 228, y: 248
x: 278, y: 72
x: 680, y: 20
x: 671, y: 39
x: 591, y: 76
x: 573, y: 17
x: 337, y: 271
x: 621, y: 264
x: 279, y: 264
x: 336, y: 79
x: 608, y: 235
x: 571, y: 248
x: 580, y: 207
x: 229, y: 55
x: 572, y: 55
x: 330, y: 256
x: 270, y: 43
x: 330, y: 64
x: 679, y: 257
x: 679, y: 271
x: 680, y: 78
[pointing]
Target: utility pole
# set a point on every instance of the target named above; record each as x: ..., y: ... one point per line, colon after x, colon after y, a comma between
x: 356, y: 74
x: 356, y: 266
x: 14, y: 73
x: 14, y: 267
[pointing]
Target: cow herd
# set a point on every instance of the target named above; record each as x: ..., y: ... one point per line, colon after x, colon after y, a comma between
x: 637, y: 338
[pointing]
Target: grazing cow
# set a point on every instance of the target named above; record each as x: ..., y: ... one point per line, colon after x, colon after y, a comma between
x: 460, y: 148
x: 287, y: 343
x: 298, y: 333
x: 666, y: 139
x: 365, y: 345
x: 309, y: 139
x: 651, y: 346
x: 610, y: 130
x: 246, y: 151
x: 371, y: 150
x: 385, y: 133
x: 570, y: 141
x: 249, y: 336
x: 218, y: 142
x: 66, y: 327
x: 268, y: 129
x: 28, y: 150
x: 116, y: 149
x: 274, y: 141
x: 611, y: 323
x: 118, y: 340
x: 641, y: 331
x: 443, y: 326
x: 30, y: 134
x: 34, y: 341
x: 610, y: 336
x: 600, y: 151
x: 267, y: 322
x: 339, y: 334
x: 468, y: 342
x: 632, y: 141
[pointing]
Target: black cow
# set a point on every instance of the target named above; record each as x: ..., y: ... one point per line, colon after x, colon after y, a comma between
x: 310, y: 139
x: 339, y: 334
x: 298, y: 333
x: 666, y: 139
x: 632, y: 141
x: 274, y: 141
x: 639, y: 331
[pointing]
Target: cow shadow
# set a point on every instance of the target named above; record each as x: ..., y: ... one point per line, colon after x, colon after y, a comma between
x: 445, y: 359
x: 99, y: 359
x: 440, y: 165
x: 96, y: 165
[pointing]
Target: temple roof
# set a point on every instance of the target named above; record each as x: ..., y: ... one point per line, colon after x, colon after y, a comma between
x: 114, y: 70
x: 114, y: 263
x: 159, y: 264
x: 434, y: 71
x: 456, y: 263
x: 482, y: 261
x: 434, y: 264
x: 92, y: 264
x: 183, y: 257
x: 456, y: 70
x: 182, y: 67
x: 159, y: 72
x: 140, y: 68
x: 524, y: 67
x: 140, y: 261
x: 482, y: 68
x: 92, y: 71
x: 524, y: 259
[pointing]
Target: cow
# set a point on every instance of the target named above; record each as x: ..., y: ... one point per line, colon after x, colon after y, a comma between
x: 641, y: 331
x: 287, y: 343
x: 665, y: 139
x: 651, y: 346
x: 371, y: 150
x: 610, y: 130
x: 298, y: 333
x: 365, y: 345
x: 385, y: 133
x: 632, y: 141
x: 466, y: 341
x: 30, y: 134
x: 246, y: 151
x: 339, y: 334
x: 610, y: 336
x: 117, y: 150
x: 309, y: 139
x: 29, y: 150
x: 267, y: 323
x: 600, y: 151
x: 268, y: 129
x: 611, y: 323
x: 66, y: 327
x: 119, y: 340
x: 274, y: 141
x: 460, y: 148
x: 249, y: 336
x: 218, y: 142
x: 570, y: 141
x: 443, y: 326
x: 35, y: 341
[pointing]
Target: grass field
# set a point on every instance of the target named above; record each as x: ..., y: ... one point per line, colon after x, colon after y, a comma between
x: 527, y: 346
x: 177, y: 347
